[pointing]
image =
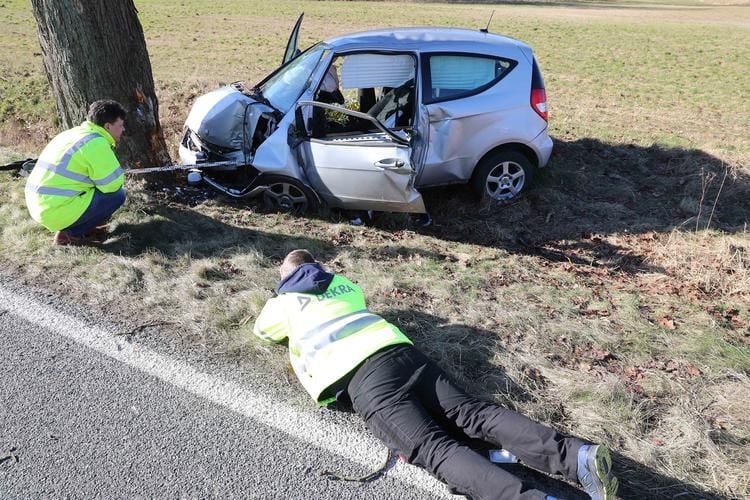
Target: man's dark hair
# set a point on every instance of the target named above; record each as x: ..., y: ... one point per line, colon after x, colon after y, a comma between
x: 105, y: 111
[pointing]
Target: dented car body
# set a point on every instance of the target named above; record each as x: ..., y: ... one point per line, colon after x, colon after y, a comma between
x: 365, y: 120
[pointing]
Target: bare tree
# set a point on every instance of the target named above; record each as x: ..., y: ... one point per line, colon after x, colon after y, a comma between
x: 95, y: 49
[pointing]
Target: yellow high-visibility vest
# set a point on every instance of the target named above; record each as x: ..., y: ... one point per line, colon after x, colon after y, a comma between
x: 74, y: 164
x: 329, y: 334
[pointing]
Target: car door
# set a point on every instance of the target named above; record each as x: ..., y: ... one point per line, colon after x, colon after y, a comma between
x: 292, y: 46
x: 367, y: 170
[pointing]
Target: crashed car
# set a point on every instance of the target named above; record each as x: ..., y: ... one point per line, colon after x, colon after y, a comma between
x: 364, y: 121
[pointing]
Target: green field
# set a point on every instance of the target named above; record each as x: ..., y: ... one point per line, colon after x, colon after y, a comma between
x: 610, y: 301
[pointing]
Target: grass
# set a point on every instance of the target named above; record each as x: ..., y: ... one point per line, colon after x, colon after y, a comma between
x: 611, y: 301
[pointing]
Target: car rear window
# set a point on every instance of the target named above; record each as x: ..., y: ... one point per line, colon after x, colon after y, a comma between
x: 450, y: 76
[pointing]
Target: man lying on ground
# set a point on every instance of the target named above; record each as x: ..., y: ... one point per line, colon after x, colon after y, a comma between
x: 339, y: 349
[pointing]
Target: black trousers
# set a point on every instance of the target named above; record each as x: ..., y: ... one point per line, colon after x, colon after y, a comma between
x: 409, y: 403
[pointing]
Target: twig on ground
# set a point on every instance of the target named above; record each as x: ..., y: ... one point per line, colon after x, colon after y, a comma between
x: 726, y: 171
x: 704, y: 186
x: 140, y: 328
x: 10, y: 456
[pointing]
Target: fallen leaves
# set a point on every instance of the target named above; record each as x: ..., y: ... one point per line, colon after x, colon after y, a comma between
x: 595, y: 353
x: 666, y: 322
x: 675, y: 368
x: 657, y: 441
x: 533, y: 373
x: 634, y: 373
x: 731, y: 317
x: 599, y: 361
x: 666, y: 285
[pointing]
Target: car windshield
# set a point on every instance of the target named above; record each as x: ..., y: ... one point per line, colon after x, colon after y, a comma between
x: 284, y: 88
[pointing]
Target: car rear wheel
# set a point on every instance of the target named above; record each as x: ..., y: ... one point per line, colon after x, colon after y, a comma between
x: 285, y: 194
x: 502, y: 176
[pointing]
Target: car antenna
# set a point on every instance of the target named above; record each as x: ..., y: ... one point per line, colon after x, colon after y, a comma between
x: 487, y: 29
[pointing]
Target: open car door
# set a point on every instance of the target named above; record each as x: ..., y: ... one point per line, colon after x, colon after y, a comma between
x: 367, y: 170
x: 292, y: 46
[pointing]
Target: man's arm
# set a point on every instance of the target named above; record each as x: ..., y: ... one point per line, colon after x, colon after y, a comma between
x: 271, y: 324
x: 105, y: 170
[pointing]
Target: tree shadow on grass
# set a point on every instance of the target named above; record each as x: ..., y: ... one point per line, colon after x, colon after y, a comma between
x: 591, y: 190
x: 466, y: 353
x: 177, y: 231
x: 463, y: 351
x: 640, y: 482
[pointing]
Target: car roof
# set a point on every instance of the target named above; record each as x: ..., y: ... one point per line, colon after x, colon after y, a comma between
x: 427, y: 39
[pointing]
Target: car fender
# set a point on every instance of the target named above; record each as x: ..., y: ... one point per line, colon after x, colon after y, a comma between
x: 457, y: 145
x: 276, y: 157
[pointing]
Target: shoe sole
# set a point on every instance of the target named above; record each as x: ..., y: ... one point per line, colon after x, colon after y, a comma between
x: 606, y: 482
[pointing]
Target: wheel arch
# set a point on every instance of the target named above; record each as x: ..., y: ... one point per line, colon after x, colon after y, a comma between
x: 525, y: 150
x: 265, y: 177
x: 268, y: 179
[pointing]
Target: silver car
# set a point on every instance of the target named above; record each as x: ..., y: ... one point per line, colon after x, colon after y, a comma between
x: 364, y: 121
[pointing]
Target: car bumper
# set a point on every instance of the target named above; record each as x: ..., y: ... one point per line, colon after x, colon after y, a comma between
x: 542, y: 144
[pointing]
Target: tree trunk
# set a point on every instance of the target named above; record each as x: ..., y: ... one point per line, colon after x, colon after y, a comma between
x: 95, y: 49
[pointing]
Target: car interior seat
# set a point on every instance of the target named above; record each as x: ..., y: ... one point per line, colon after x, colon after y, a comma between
x: 366, y: 99
x: 396, y: 107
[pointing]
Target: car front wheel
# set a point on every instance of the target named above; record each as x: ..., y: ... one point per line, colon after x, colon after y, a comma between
x: 502, y: 176
x: 288, y: 195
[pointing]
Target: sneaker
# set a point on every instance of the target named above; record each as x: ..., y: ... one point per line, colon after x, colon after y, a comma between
x: 424, y: 220
x: 595, y: 472
x: 63, y: 238
x: 99, y: 233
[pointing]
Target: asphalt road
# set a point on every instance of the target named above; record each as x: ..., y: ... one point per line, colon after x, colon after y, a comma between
x: 76, y: 423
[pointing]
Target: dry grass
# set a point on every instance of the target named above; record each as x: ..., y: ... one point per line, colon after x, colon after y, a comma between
x: 612, y: 301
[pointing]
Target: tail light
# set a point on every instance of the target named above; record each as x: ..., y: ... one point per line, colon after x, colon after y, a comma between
x: 539, y: 102
x: 538, y: 95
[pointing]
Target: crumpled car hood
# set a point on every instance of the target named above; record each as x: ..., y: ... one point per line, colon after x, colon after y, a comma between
x: 226, y: 118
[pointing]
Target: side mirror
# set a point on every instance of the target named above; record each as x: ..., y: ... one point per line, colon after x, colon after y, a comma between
x: 301, y: 129
x: 309, y: 120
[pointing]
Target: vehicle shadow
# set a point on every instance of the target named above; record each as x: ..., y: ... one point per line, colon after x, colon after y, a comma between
x: 472, y: 368
x: 175, y: 231
x: 593, y: 189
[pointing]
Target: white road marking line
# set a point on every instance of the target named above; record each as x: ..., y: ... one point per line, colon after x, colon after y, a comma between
x: 261, y: 407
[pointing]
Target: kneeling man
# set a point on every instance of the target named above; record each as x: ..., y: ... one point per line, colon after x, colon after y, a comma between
x: 77, y: 182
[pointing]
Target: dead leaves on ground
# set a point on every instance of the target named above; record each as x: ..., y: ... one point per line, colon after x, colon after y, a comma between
x: 731, y: 317
x: 599, y: 361
x: 676, y: 368
x: 666, y: 322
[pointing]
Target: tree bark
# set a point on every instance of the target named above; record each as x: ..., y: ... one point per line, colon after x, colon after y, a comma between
x: 95, y: 49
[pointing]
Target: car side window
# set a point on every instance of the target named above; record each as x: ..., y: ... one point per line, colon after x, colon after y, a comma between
x: 378, y: 84
x: 459, y: 75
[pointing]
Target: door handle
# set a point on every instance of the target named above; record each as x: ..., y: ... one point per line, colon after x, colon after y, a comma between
x: 390, y: 164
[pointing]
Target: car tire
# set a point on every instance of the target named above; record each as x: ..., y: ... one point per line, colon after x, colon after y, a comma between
x: 502, y: 176
x: 288, y: 195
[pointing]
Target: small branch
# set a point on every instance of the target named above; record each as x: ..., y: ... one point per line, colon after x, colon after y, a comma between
x: 703, y: 195
x: 726, y: 171
x: 140, y: 328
